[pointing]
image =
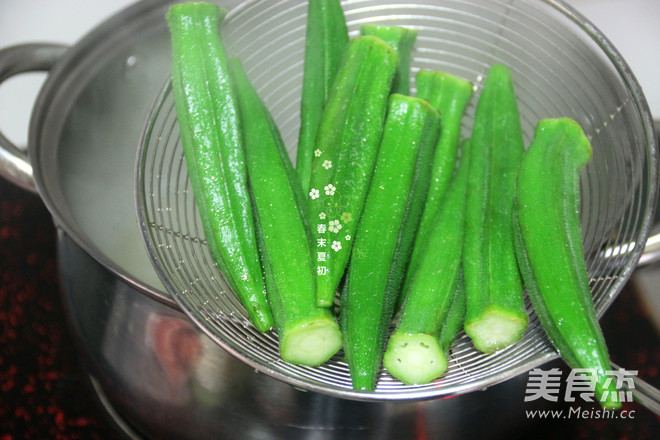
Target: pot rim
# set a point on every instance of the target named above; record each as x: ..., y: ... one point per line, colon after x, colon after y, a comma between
x: 142, y: 16
x: 635, y: 251
x: 134, y: 20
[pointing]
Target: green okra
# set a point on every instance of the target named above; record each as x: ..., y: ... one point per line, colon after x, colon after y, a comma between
x: 453, y: 322
x: 346, y: 148
x: 402, y: 39
x: 309, y: 335
x: 209, y: 121
x: 495, y: 315
x: 325, y: 42
x: 550, y: 250
x: 450, y: 95
x: 417, y: 350
x: 418, y: 201
x: 366, y: 305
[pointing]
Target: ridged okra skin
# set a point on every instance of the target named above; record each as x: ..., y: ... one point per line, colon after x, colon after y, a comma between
x: 402, y: 40
x: 366, y: 305
x: 550, y: 250
x: 450, y: 95
x: 309, y: 335
x: 325, y: 41
x: 433, y: 311
x: 347, y: 144
x: 496, y: 315
x: 418, y: 201
x: 209, y: 121
x: 453, y: 322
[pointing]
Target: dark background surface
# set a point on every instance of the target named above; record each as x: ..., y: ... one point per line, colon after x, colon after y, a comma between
x: 45, y: 392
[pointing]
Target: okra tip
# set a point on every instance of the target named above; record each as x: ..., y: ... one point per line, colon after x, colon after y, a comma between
x: 607, y: 394
x: 195, y: 9
x: 498, y: 71
x: 393, y: 33
x: 567, y: 128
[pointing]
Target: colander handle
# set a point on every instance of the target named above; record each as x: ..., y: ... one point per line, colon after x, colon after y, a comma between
x: 644, y: 393
x: 34, y: 57
x: 651, y: 253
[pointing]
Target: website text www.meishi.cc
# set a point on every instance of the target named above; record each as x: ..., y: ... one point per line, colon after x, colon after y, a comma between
x: 577, y: 387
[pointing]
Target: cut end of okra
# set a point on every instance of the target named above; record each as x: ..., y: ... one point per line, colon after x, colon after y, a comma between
x: 311, y: 343
x: 495, y: 329
x: 414, y: 359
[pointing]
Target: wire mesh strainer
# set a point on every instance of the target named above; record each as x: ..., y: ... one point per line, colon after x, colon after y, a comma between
x: 562, y: 66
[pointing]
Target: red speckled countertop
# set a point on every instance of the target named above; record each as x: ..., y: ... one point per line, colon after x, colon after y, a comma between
x: 45, y: 393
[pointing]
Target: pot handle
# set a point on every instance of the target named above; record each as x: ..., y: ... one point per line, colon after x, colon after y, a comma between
x: 33, y: 57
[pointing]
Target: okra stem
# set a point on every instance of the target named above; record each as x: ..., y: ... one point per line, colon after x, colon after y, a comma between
x: 309, y: 335
x: 209, y: 121
x: 496, y: 315
x: 367, y: 306
x: 417, y: 349
x: 450, y: 95
x: 346, y: 148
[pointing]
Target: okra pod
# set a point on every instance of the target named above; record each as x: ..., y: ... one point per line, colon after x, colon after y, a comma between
x: 347, y: 144
x: 366, y: 305
x: 402, y: 39
x: 308, y: 334
x: 209, y: 121
x: 495, y: 315
x: 450, y: 95
x: 409, y: 230
x: 550, y: 250
x: 325, y: 42
x: 417, y: 350
x: 453, y: 322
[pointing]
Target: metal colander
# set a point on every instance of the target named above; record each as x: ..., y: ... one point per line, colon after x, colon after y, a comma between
x: 562, y: 66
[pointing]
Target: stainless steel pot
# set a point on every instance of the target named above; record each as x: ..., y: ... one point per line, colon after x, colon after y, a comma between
x: 169, y: 381
x: 161, y: 375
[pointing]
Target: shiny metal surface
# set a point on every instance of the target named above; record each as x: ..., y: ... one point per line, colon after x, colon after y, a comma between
x: 157, y: 370
x: 561, y: 66
x: 83, y: 136
x: 169, y: 381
